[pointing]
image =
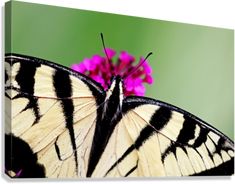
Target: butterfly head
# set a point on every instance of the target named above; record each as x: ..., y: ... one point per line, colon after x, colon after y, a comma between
x: 116, y: 78
x: 115, y: 89
x: 116, y: 84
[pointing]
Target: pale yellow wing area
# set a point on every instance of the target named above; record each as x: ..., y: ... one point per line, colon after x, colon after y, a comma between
x: 65, y: 167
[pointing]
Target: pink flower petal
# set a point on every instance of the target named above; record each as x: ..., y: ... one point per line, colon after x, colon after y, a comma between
x: 139, y: 90
x: 89, y: 65
x: 129, y: 84
x: 97, y: 60
x: 137, y: 81
x: 148, y: 79
x: 79, y: 67
x: 99, y: 79
x: 125, y: 57
x: 146, y: 66
x: 75, y: 67
x: 110, y: 52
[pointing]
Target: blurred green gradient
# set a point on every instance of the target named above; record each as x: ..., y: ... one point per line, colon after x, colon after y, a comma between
x: 192, y: 65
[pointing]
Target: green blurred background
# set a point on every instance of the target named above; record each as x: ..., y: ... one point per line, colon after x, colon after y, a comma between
x: 192, y: 65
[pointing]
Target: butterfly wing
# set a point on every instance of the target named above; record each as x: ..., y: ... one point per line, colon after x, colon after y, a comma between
x: 157, y: 139
x: 50, y: 117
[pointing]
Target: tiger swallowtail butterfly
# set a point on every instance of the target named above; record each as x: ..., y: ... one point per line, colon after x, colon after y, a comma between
x: 62, y: 124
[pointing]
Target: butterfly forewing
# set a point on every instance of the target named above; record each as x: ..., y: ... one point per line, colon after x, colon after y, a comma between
x: 53, y: 110
x: 184, y: 144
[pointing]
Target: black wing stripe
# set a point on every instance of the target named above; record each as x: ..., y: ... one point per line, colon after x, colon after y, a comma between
x: 217, y: 146
x: 25, y: 76
x: 188, y: 131
x: 201, y: 137
x: 6, y: 76
x: 131, y: 170
x: 185, y: 135
x: 220, y: 145
x: 170, y: 149
x: 25, y: 79
x: 158, y: 120
x: 63, y: 90
x: 57, y: 149
x: 124, y: 155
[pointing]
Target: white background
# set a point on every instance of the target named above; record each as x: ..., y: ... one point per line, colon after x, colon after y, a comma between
x: 216, y: 13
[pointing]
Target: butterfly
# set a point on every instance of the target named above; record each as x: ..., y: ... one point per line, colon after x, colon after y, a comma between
x: 62, y: 124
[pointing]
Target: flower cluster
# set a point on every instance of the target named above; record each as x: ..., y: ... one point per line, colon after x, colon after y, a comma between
x: 101, y: 69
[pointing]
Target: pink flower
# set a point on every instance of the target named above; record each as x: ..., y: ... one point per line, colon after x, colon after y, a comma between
x: 101, y: 70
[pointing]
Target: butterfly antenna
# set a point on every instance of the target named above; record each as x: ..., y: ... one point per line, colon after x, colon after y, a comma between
x: 102, y: 38
x: 108, y: 59
x: 138, y: 66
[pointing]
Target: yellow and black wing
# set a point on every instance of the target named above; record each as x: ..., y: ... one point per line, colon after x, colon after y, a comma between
x: 154, y: 138
x: 50, y: 117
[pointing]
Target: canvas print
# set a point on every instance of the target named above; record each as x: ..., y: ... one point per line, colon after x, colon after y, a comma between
x: 94, y: 95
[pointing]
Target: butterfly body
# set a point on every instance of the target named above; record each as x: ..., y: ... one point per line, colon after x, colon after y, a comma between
x: 71, y: 127
x: 110, y: 113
